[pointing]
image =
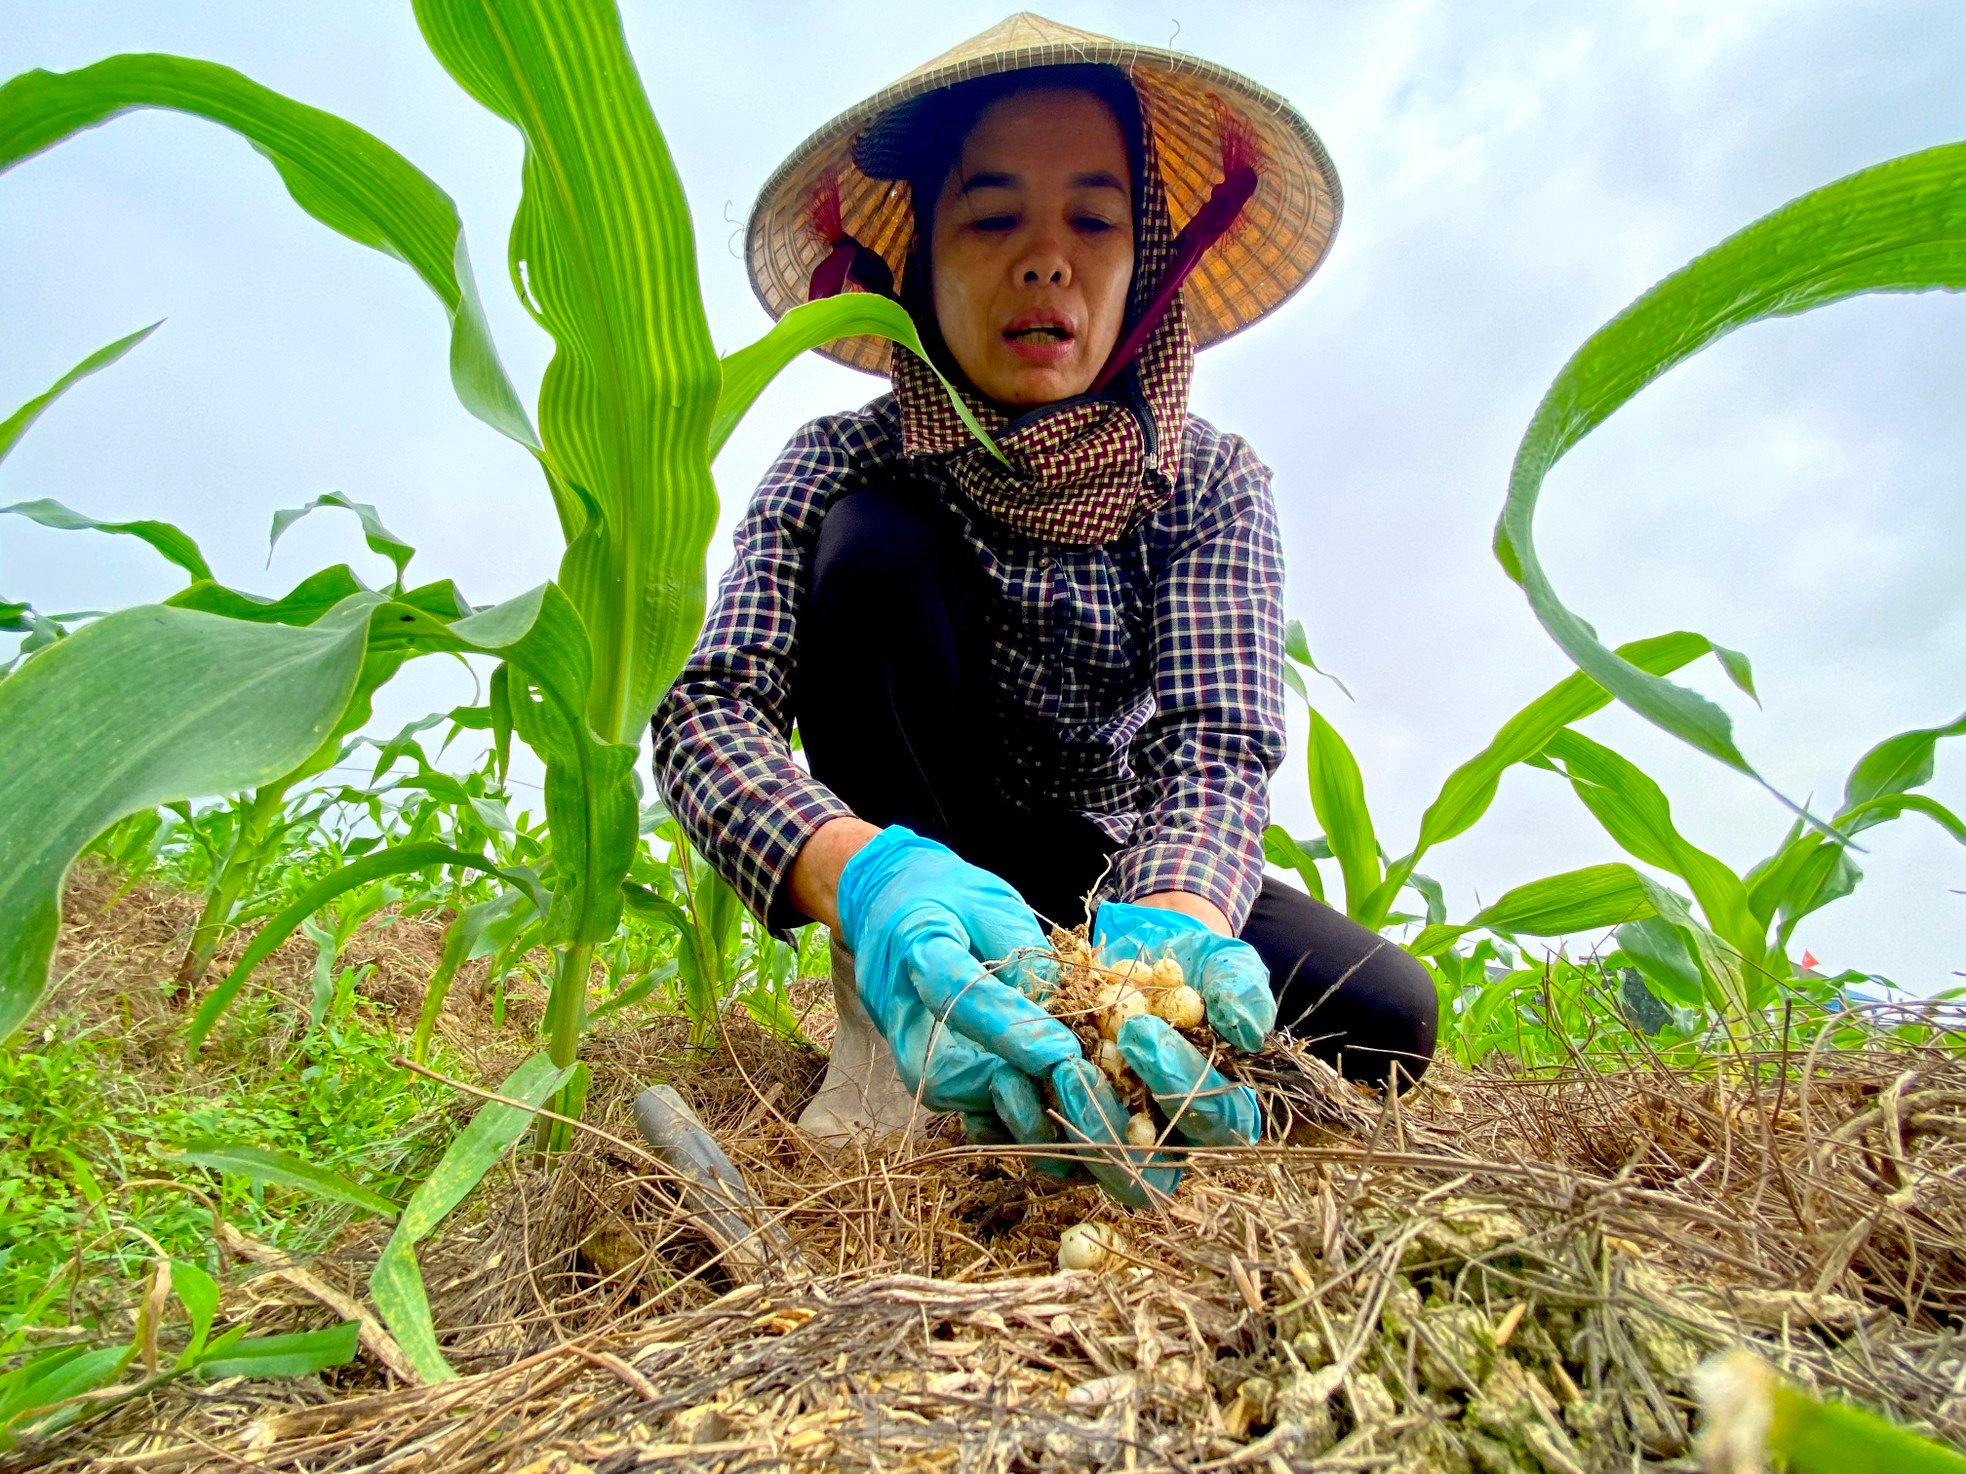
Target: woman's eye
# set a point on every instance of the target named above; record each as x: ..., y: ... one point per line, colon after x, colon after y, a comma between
x: 1095, y: 225
x: 994, y: 222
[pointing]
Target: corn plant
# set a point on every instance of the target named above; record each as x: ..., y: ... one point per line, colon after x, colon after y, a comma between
x: 1372, y: 883
x: 217, y: 691
x: 1899, y: 226
x: 1734, y: 957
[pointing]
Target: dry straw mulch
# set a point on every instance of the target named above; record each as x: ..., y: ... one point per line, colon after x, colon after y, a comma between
x: 1493, y: 1273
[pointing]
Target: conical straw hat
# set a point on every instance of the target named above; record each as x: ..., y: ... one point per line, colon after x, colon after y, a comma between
x: 1283, y: 234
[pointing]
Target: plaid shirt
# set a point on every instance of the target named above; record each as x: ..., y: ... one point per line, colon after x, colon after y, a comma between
x: 1139, y: 681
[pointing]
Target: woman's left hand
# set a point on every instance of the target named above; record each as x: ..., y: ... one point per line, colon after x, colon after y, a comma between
x: 1235, y: 988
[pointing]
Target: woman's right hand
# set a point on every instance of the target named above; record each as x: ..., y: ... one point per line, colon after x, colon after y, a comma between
x: 920, y: 921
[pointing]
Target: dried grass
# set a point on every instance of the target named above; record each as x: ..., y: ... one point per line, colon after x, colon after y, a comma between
x: 1494, y: 1272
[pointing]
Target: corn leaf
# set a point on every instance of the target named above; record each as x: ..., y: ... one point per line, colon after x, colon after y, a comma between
x: 379, y: 538
x: 347, y: 179
x: 1809, y: 871
x: 747, y: 371
x: 1635, y: 813
x: 477, y: 931
x: 283, y: 1169
x: 306, y: 602
x: 197, y: 1291
x: 64, y: 1377
x: 1297, y: 646
x: 1749, y: 1412
x: 1660, y: 950
x: 1898, y: 764
x: 1279, y: 848
x: 172, y: 543
x: 296, y: 1354
x: 604, y: 255
x: 590, y: 797
x: 15, y: 425
x: 1470, y: 788
x: 17, y: 1383
x: 143, y: 707
x: 1898, y: 226
x: 1595, y: 897
x: 1338, y: 800
x: 396, y: 1283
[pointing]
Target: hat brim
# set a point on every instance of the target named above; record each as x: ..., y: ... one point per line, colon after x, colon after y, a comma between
x: 1284, y: 233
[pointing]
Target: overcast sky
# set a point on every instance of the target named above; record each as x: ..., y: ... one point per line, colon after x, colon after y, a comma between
x: 1514, y: 174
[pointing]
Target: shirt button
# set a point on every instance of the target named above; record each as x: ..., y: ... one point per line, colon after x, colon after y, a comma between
x: 1045, y: 564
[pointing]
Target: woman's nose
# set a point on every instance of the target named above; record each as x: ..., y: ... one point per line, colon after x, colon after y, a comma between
x: 1045, y: 263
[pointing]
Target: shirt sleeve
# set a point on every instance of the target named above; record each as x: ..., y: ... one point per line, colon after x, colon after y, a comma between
x: 1217, y: 732
x: 722, y: 735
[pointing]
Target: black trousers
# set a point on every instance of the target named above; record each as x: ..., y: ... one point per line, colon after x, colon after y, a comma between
x: 886, y: 691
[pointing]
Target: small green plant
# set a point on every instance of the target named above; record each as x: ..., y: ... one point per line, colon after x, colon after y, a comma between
x: 65, y: 1385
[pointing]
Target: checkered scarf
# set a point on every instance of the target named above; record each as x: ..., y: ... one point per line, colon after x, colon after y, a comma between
x: 1082, y: 469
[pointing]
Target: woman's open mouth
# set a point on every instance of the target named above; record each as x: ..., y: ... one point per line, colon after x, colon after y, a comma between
x: 1040, y: 342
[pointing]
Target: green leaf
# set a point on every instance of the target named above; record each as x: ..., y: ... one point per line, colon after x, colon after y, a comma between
x: 662, y: 974
x: 477, y: 931
x: 1873, y: 811
x: 16, y: 1384
x: 283, y: 1169
x: 15, y: 425
x: 296, y: 1354
x: 1280, y: 849
x: 1591, y: 899
x: 305, y: 603
x: 379, y: 538
x: 605, y: 258
x: 1296, y: 683
x: 851, y: 314
x: 1661, y: 952
x: 1745, y: 1404
x: 197, y: 1291
x: 396, y: 1283
x: 1809, y: 871
x: 171, y: 543
x: 1898, y: 764
x: 591, y: 807
x: 590, y: 797
x: 143, y: 707
x: 1470, y: 788
x: 345, y: 178
x: 1338, y: 800
x: 1898, y: 226
x: 1297, y: 646
x: 398, y: 860
x: 65, y: 1377
x: 320, y: 993
x: 1635, y: 812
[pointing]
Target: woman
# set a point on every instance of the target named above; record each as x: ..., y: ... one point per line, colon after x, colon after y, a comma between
x: 1031, y: 686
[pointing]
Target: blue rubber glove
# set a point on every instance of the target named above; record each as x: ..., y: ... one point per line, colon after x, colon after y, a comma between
x: 1235, y: 988
x: 919, y: 921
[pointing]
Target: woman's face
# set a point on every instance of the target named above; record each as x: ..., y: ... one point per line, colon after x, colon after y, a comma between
x: 1032, y: 248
